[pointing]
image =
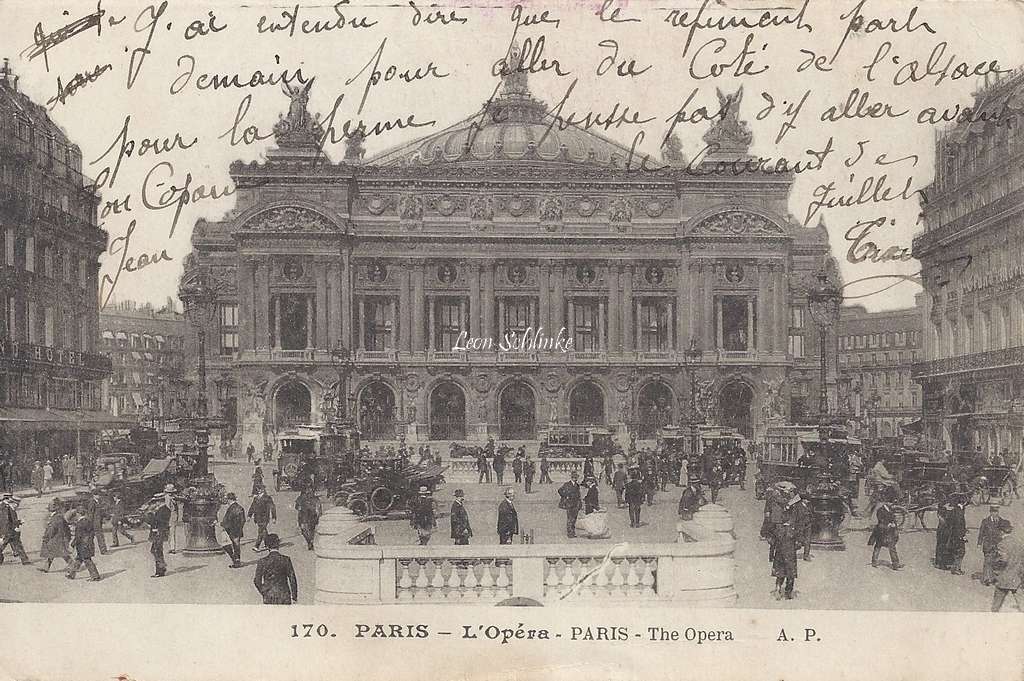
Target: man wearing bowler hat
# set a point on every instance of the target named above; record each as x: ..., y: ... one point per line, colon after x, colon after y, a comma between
x: 989, y: 535
x: 159, y: 521
x: 10, y: 528
x: 461, y: 530
x: 234, y: 524
x: 422, y: 515
x: 275, y: 576
x: 262, y: 511
x: 508, y: 518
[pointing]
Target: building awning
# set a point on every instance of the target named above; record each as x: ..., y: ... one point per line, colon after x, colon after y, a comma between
x: 19, y: 419
x: 914, y: 427
x: 121, y: 335
x: 109, y: 335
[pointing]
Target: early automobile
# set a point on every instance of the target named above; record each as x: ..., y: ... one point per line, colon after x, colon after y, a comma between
x: 322, y: 456
x: 385, y: 481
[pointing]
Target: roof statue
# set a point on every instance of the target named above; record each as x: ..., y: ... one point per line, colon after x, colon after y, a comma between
x: 515, y: 103
x: 513, y: 76
x: 731, y: 136
x: 354, y: 149
x: 298, y: 128
x: 672, y: 150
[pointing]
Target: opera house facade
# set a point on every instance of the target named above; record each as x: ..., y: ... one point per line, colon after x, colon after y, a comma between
x: 503, y: 274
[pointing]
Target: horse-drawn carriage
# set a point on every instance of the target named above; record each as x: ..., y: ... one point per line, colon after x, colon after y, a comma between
x: 135, y: 489
x: 384, y: 482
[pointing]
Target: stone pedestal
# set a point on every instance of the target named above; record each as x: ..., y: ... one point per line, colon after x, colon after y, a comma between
x: 717, y: 519
x: 201, y: 524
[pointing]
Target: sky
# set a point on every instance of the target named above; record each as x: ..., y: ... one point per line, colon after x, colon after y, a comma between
x: 147, y: 46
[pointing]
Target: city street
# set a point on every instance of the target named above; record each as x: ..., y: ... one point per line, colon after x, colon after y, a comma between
x: 833, y: 580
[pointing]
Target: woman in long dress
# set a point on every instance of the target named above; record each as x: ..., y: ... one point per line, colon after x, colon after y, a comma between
x: 56, y: 538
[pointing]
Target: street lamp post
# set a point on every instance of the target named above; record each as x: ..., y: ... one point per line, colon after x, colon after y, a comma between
x: 341, y: 357
x: 202, y: 497
x: 693, y: 355
x: 827, y: 496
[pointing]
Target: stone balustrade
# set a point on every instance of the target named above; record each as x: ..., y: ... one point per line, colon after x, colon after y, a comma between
x: 692, y: 574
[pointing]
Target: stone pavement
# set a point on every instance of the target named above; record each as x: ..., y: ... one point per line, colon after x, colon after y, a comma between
x: 833, y: 580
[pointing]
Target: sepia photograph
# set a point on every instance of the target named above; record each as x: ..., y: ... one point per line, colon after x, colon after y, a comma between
x: 661, y: 308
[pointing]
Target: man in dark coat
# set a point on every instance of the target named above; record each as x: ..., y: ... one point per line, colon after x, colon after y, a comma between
x: 483, y: 467
x: 234, y: 527
x: 784, y: 563
x: 508, y: 518
x: 10, y: 529
x: 529, y: 471
x: 499, y: 466
x: 159, y: 520
x: 545, y: 469
x: 257, y: 479
x: 95, y: 509
x: 262, y: 511
x: 619, y: 484
x: 989, y: 535
x: 634, y: 493
x: 118, y: 525
x: 885, y: 533
x: 591, y: 501
x: 56, y: 538
x: 83, y: 546
x: 588, y: 468
x: 957, y: 540
x: 800, y: 512
x: 942, y: 557
x: 517, y: 466
x: 571, y: 501
x: 461, y: 530
x: 275, y: 576
x: 310, y: 509
x: 421, y: 515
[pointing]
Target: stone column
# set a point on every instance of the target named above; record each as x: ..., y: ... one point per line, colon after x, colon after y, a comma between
x: 614, y: 308
x: 601, y: 342
x: 765, y: 341
x: 346, y: 280
x: 247, y: 304
x: 474, y: 301
x: 462, y: 316
x: 780, y: 296
x: 334, y: 286
x: 361, y: 325
x: 430, y: 323
x: 321, y: 304
x: 628, y: 321
x: 544, y: 300
x: 501, y: 318
x: 261, y: 304
x: 571, y: 323
x: 682, y: 311
x: 558, y: 299
x: 418, y: 302
x: 311, y: 326
x: 672, y: 339
x: 719, y: 330
x: 277, y: 322
x: 712, y: 330
x: 751, y: 345
x: 404, y: 339
x: 488, y: 286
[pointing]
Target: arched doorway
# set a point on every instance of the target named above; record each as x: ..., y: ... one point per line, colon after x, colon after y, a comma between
x: 292, y: 405
x: 518, y: 410
x: 654, y: 410
x: 447, y: 413
x: 734, y: 405
x: 586, y: 405
x: 377, y: 412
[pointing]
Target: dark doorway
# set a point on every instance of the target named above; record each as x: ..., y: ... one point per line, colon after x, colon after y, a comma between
x: 447, y: 413
x: 377, y: 412
x: 734, y: 405
x: 736, y: 324
x: 518, y: 412
x: 586, y: 405
x: 292, y: 405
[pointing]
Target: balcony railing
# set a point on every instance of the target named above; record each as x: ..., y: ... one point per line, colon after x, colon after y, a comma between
x: 992, y: 359
x: 928, y: 239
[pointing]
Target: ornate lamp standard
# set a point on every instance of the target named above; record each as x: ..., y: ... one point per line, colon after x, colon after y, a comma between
x: 341, y: 357
x: 203, y: 496
x: 693, y: 354
x: 825, y: 494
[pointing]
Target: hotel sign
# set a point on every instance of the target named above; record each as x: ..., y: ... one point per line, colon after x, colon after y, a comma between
x: 44, y: 354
